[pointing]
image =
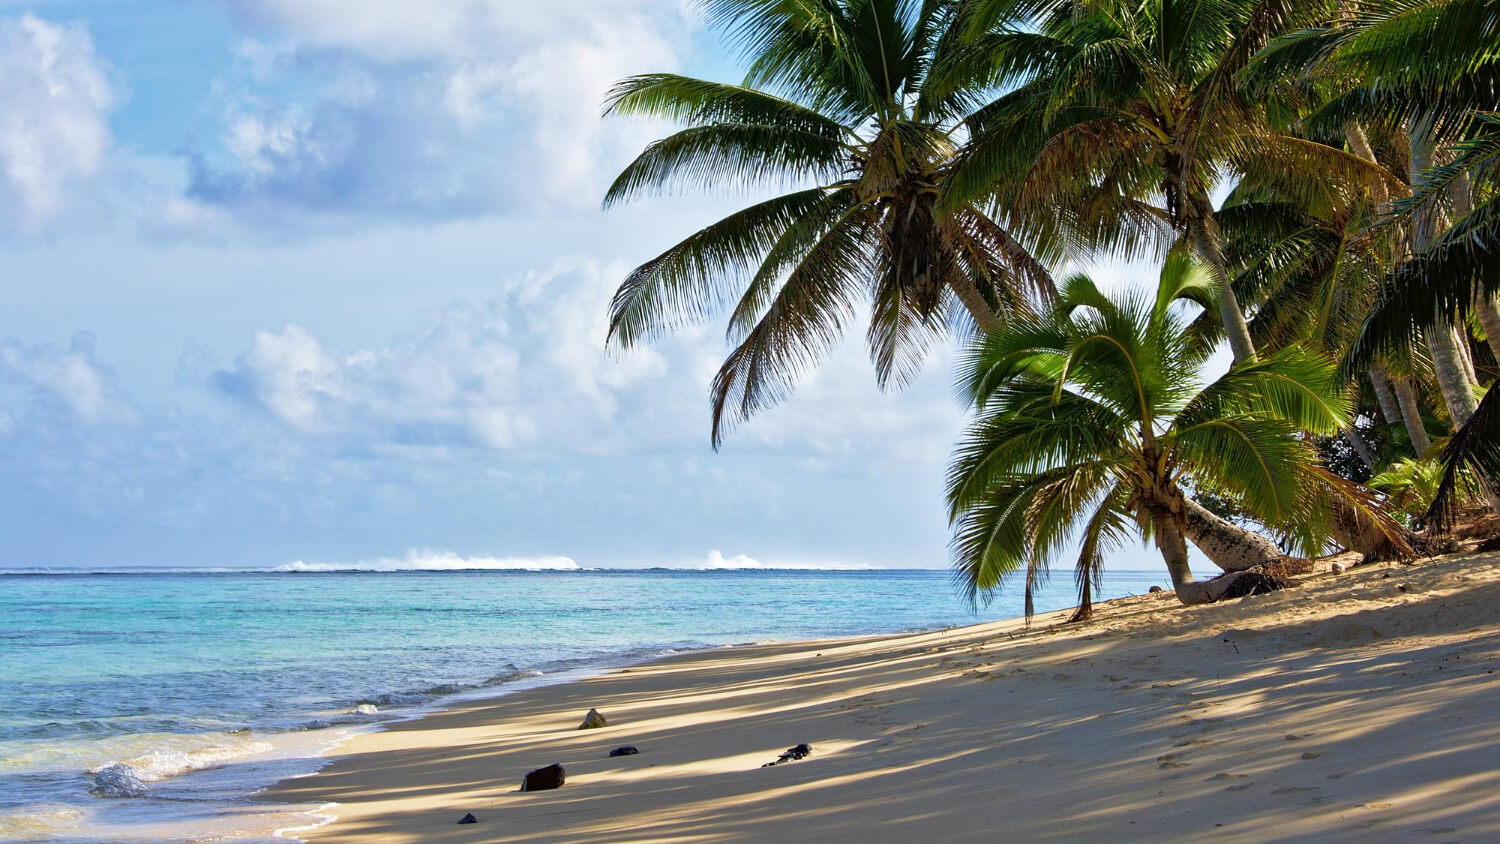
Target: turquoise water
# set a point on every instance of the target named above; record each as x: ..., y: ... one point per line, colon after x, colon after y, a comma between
x: 207, y: 686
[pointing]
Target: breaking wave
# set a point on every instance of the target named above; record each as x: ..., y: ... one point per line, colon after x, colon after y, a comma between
x: 438, y: 561
x: 132, y: 777
x: 740, y: 562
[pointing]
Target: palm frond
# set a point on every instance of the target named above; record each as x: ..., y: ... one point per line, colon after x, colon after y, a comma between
x: 692, y: 280
x: 727, y: 156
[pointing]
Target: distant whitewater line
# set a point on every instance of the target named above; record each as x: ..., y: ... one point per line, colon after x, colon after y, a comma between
x: 441, y: 561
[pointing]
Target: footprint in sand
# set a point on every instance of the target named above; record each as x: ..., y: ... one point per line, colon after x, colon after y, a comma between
x: 1241, y: 787
x: 1225, y: 775
x: 1192, y: 742
x: 1169, y: 761
x: 1310, y: 755
x: 1296, y: 789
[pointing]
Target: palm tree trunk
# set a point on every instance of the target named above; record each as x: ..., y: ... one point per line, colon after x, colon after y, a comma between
x: 1452, y: 378
x: 1204, y: 230
x: 1361, y: 448
x: 1465, y: 356
x: 1447, y: 362
x: 1359, y: 144
x: 1389, y: 410
x: 1226, y: 545
x: 1461, y: 192
x: 1174, y: 553
x: 973, y: 301
x: 1411, y: 414
x: 1489, y: 319
x: 1173, y: 549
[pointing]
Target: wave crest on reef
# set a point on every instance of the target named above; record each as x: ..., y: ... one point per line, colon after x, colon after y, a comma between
x: 421, y: 560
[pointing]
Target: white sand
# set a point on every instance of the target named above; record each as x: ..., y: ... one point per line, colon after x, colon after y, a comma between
x: 1347, y: 709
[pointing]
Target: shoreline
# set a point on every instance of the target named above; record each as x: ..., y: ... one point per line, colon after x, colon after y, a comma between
x: 410, y: 646
x: 1353, y: 706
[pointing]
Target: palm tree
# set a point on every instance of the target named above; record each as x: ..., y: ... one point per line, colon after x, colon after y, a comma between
x: 1126, y: 115
x: 1423, y: 72
x: 1092, y: 423
x: 1433, y: 69
x: 837, y: 107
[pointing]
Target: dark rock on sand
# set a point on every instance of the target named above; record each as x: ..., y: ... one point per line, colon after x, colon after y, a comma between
x: 626, y: 750
x: 1153, y: 590
x: 792, y: 754
x: 593, y: 721
x: 543, y: 779
x: 469, y: 818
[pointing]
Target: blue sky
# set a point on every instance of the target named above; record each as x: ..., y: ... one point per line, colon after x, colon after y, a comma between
x: 285, y: 282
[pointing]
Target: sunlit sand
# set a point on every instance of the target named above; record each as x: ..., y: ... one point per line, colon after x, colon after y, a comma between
x: 1359, y: 706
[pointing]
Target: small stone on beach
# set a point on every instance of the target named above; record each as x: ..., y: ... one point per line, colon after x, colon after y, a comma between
x: 469, y: 818
x: 545, y: 779
x: 624, y: 750
x: 593, y: 721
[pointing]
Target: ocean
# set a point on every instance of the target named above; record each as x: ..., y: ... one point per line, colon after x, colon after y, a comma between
x: 150, y: 705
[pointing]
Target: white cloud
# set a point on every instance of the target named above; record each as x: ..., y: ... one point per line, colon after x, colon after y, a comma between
x: 54, y: 129
x: 526, y: 369
x: 71, y: 378
x: 429, y: 111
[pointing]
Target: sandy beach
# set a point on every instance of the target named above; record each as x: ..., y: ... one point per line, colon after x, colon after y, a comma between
x: 1360, y: 706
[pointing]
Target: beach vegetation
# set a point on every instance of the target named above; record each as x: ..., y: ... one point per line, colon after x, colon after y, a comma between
x: 1093, y: 422
x: 839, y: 123
x: 1318, y: 179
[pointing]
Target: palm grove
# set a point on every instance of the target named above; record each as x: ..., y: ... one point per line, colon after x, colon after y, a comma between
x: 1316, y: 180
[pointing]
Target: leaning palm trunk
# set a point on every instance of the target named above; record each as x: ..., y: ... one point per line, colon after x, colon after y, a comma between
x: 1226, y: 545
x: 1169, y: 540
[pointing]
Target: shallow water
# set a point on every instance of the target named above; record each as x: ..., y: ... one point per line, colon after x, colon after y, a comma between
x: 208, y: 686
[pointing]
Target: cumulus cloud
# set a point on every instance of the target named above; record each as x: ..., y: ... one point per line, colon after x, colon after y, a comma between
x: 527, y: 371
x: 444, y: 110
x: 54, y: 129
x: 70, y: 380
x: 527, y: 368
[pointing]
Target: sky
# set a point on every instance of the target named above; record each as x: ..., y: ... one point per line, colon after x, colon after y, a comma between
x: 289, y: 284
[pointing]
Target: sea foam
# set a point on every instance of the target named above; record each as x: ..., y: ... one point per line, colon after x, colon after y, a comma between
x: 131, y: 778
x: 438, y: 561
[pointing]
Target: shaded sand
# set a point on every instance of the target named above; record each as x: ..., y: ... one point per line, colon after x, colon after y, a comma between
x: 1362, y: 706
